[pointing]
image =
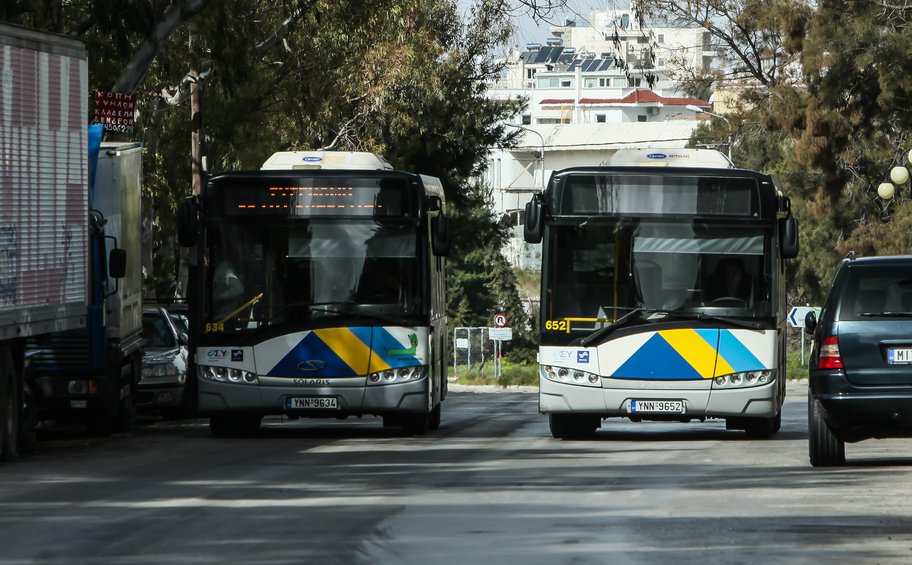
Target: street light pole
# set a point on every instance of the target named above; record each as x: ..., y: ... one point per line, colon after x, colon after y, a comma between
x: 731, y: 133
x: 542, y: 138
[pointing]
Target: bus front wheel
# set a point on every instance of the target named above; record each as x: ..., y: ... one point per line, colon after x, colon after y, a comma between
x: 238, y: 425
x: 565, y: 426
x: 762, y: 428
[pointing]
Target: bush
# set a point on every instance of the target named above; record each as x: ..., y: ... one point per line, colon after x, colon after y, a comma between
x: 511, y: 374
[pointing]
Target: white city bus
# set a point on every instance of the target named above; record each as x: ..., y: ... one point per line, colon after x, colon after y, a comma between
x: 318, y: 291
x: 635, y: 319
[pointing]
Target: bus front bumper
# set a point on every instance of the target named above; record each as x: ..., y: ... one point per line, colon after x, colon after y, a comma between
x: 348, y: 397
x: 612, y: 398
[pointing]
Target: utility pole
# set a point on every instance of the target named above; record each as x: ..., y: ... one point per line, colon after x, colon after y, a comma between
x: 196, y: 118
x: 196, y: 176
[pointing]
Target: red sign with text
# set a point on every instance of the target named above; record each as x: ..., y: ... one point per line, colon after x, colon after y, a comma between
x: 115, y: 110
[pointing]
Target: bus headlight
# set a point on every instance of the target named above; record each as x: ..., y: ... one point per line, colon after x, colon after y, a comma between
x: 226, y: 375
x: 570, y: 376
x: 397, y: 375
x: 744, y: 379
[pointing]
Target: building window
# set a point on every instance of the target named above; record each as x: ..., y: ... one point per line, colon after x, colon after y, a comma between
x: 526, y: 119
x: 548, y: 83
x: 549, y: 120
x: 661, y: 62
x: 566, y: 83
x: 661, y: 38
x: 620, y: 82
x: 600, y: 118
x: 589, y: 83
x: 530, y: 73
x: 641, y: 118
x: 603, y: 82
x: 642, y: 39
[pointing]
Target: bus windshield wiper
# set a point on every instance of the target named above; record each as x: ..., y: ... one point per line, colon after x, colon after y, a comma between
x: 352, y: 309
x: 749, y: 324
x: 619, y: 323
x: 889, y: 314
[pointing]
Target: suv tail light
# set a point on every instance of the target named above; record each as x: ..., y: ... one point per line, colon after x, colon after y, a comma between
x: 829, y: 357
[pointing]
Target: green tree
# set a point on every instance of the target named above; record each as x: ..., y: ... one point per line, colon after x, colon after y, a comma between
x: 404, y: 78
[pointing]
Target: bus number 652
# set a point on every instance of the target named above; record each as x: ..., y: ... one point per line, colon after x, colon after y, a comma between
x: 557, y: 325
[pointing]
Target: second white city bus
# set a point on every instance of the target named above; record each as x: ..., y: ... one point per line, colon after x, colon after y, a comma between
x: 663, y: 292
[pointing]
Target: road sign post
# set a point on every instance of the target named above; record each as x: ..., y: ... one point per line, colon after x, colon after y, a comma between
x: 796, y: 319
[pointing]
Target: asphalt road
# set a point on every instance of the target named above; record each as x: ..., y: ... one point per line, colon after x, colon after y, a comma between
x: 491, y: 486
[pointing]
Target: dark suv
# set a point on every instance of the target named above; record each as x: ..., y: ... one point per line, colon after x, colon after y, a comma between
x: 860, y: 370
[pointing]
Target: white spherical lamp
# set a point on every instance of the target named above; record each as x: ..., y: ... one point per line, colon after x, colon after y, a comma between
x: 886, y: 190
x: 910, y: 155
x: 899, y: 175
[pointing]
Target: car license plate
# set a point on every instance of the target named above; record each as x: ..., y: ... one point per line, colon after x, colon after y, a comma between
x: 312, y: 403
x: 656, y: 406
x: 899, y: 356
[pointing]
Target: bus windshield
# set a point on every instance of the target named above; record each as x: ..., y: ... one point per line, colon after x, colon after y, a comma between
x: 292, y: 271
x: 602, y: 269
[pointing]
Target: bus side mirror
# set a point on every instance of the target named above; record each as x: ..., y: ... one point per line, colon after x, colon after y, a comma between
x: 788, y: 237
x: 117, y: 264
x: 532, y: 229
x: 810, y: 322
x: 440, y: 235
x: 187, y: 222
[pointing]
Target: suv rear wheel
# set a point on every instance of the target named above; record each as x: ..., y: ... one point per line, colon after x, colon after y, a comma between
x: 824, y: 448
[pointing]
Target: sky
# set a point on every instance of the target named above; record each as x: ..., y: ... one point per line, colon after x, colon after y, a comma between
x: 530, y: 31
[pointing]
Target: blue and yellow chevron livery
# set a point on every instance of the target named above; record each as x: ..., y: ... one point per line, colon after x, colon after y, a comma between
x: 687, y: 354
x: 342, y: 352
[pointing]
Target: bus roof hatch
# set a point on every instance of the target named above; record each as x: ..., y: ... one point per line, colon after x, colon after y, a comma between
x: 302, y: 160
x: 705, y: 158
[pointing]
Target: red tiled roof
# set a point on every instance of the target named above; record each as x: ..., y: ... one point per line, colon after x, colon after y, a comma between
x: 638, y: 96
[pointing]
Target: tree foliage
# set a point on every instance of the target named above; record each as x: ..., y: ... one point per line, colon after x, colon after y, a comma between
x: 826, y: 92
x: 404, y: 78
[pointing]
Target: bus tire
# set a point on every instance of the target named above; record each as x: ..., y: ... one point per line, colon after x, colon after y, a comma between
x: 417, y: 424
x: 567, y: 426
x: 235, y: 425
x: 435, y: 416
x: 9, y: 408
x: 824, y: 448
x: 763, y: 428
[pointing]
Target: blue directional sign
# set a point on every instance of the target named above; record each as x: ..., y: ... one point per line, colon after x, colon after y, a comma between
x: 797, y: 313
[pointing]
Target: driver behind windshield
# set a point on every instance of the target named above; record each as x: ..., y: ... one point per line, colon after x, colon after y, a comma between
x: 728, y: 281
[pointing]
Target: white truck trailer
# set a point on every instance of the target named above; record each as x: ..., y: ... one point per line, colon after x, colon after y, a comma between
x: 66, y: 305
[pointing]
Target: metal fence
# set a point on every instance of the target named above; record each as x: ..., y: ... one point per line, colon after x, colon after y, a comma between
x: 472, y: 348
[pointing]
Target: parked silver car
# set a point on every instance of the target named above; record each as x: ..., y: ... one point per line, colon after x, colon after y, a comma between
x: 164, y: 372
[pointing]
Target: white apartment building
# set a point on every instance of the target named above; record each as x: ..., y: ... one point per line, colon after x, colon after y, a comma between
x: 591, y: 90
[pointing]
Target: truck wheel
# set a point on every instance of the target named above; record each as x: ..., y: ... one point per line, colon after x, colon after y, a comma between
x: 9, y: 408
x: 125, y: 418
